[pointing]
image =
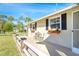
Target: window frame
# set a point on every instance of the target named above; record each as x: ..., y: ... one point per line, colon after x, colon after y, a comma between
x: 33, y: 26
x: 55, y: 23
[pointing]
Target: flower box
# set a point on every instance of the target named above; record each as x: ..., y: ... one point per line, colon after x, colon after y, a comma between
x: 33, y: 30
x: 53, y: 31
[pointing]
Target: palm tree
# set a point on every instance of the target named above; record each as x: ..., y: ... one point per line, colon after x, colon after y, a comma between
x: 25, y: 19
x: 3, y: 16
x: 19, y: 25
x: 2, y: 21
x: 28, y: 19
x: 10, y: 18
x: 21, y: 18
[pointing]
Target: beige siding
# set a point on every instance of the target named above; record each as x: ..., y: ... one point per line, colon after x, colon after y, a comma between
x: 41, y: 26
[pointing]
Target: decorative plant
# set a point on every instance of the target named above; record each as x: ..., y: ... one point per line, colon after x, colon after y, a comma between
x: 54, y: 30
x: 33, y: 30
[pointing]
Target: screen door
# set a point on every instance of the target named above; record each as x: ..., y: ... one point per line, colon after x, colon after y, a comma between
x: 76, y: 31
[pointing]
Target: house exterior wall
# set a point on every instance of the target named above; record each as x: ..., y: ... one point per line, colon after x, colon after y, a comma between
x: 65, y: 37
x: 41, y: 26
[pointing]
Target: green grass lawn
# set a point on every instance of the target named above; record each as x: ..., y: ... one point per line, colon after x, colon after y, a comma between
x: 8, y: 46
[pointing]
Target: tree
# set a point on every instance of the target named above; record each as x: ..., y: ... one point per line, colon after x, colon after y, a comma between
x: 19, y: 26
x: 28, y: 19
x: 3, y: 16
x: 1, y: 25
x: 2, y: 21
x: 25, y: 19
x: 8, y: 26
x: 10, y: 18
x: 21, y: 18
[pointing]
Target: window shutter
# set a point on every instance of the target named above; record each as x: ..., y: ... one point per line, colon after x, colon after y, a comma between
x: 64, y: 21
x: 47, y: 24
x: 30, y: 26
x: 35, y: 25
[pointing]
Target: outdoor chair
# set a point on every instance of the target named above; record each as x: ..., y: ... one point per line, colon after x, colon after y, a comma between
x: 39, y: 36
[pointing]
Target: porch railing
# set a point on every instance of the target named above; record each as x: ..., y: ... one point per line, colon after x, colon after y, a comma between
x: 26, y: 48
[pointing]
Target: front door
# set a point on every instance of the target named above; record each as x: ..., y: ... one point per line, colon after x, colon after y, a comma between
x: 75, y: 32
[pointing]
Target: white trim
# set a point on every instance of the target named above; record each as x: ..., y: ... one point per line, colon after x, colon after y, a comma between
x: 49, y: 24
x: 54, y: 23
x: 72, y: 30
x: 60, y: 23
x: 75, y: 50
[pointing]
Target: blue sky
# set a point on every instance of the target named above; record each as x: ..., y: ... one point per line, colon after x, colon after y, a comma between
x: 33, y: 10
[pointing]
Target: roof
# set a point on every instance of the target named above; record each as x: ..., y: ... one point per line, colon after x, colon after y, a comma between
x: 67, y: 8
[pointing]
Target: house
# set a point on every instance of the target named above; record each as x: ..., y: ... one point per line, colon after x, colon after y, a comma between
x: 60, y: 27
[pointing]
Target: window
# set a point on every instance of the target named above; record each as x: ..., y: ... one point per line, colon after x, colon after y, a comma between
x: 33, y: 26
x: 30, y: 26
x: 55, y: 23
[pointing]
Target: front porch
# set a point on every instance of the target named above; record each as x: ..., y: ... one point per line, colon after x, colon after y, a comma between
x: 51, y: 49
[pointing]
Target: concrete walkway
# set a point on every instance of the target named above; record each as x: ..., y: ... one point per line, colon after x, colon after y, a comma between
x: 51, y: 49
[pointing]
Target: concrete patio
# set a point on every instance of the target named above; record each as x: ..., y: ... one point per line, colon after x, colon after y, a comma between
x: 50, y: 49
